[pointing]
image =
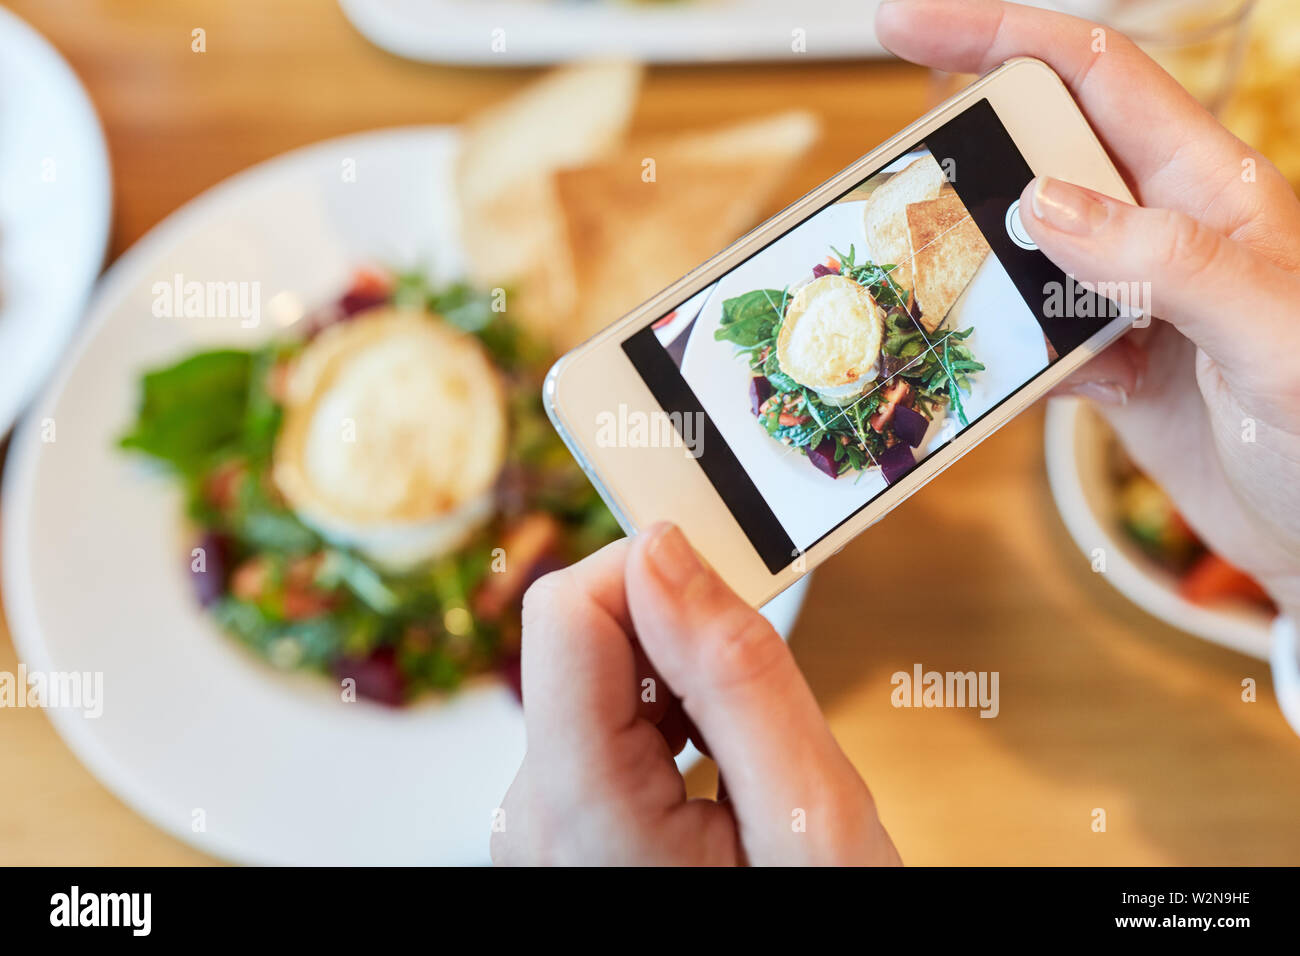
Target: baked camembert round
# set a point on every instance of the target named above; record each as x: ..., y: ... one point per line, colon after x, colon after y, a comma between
x: 830, y: 338
x: 393, y: 436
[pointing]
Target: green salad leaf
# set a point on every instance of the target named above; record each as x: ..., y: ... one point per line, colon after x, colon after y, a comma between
x: 751, y: 319
x: 193, y: 411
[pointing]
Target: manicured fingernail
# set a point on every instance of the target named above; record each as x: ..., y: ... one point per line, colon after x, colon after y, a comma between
x: 673, y: 558
x: 1107, y: 393
x: 1067, y: 208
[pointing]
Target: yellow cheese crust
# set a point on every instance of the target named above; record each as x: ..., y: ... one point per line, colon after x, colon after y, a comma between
x: 831, y: 335
x: 391, y: 418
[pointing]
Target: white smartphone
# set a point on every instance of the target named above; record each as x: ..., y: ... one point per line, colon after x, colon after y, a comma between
x: 791, y: 391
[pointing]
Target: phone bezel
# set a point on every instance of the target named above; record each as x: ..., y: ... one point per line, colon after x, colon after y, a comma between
x: 597, y: 375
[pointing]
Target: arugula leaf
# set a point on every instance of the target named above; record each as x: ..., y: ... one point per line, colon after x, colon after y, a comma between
x: 780, y: 381
x: 807, y: 435
x: 954, y: 387
x: 872, y: 275
x: 340, y: 567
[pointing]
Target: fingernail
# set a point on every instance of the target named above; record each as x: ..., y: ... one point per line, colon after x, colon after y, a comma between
x: 1067, y: 208
x: 1106, y: 393
x: 671, y: 555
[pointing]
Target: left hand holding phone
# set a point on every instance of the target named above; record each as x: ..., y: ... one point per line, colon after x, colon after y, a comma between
x: 627, y: 655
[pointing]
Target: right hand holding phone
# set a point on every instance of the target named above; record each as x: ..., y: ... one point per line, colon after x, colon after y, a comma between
x: 1206, y: 401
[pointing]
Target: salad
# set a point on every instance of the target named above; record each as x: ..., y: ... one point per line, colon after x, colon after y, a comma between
x: 882, y: 425
x: 301, y: 600
x: 1151, y: 520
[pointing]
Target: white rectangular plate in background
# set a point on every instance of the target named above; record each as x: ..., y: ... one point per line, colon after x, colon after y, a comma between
x: 529, y: 32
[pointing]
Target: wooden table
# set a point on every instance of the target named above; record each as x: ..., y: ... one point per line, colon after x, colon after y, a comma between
x: 1101, y: 706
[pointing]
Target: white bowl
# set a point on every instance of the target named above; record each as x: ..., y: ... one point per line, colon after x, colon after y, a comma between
x: 1078, y: 468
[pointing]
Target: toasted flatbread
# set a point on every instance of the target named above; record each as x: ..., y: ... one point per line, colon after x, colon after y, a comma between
x: 511, y: 222
x: 630, y: 237
x: 948, y: 250
x: 776, y: 135
x: 571, y: 116
x: 884, y: 216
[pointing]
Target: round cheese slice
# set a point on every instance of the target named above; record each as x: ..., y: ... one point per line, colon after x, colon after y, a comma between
x: 393, y: 436
x: 830, y: 338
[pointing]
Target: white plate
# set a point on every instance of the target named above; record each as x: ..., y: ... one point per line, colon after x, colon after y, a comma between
x: 55, y: 203
x: 521, y: 32
x: 1078, y: 467
x: 808, y: 504
x: 95, y: 559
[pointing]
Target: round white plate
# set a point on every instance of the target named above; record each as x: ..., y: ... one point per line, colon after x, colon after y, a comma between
x: 1077, y: 445
x: 55, y: 205
x: 521, y: 32
x: 808, y: 504
x: 95, y: 558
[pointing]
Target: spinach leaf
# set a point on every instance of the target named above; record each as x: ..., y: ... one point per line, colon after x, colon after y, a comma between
x: 751, y: 319
x: 193, y: 411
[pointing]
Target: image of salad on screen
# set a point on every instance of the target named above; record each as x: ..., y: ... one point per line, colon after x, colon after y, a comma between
x: 853, y: 361
x: 370, y: 498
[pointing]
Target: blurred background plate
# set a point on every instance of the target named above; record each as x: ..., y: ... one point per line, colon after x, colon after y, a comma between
x: 523, y: 32
x: 55, y: 205
x: 95, y: 557
x: 1079, y: 465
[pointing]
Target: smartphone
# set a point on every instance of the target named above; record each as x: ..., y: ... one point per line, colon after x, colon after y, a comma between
x: 791, y: 391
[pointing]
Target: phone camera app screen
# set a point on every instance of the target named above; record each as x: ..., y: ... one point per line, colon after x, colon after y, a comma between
x: 830, y: 363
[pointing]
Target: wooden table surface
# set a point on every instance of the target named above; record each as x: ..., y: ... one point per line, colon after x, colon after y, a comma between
x: 1101, y: 705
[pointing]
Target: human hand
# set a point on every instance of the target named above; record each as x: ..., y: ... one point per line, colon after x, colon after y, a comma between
x: 1206, y: 401
x: 598, y: 784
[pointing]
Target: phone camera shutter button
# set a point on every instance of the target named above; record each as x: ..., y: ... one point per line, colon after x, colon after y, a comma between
x: 1016, y: 228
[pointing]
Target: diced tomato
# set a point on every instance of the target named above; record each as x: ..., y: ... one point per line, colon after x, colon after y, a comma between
x: 1212, y: 579
x: 248, y: 581
x: 370, y: 282
x: 302, y: 603
x: 787, y: 420
x: 895, y: 394
x: 369, y: 290
x: 222, y: 486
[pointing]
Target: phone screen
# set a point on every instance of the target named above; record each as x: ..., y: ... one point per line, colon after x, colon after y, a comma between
x: 827, y: 365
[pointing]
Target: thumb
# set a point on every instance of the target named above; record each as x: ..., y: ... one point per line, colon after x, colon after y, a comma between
x: 739, y: 683
x: 1233, y: 304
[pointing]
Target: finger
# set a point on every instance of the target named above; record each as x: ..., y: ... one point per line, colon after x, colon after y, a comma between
x: 1111, y: 378
x: 1233, y: 304
x: 736, y: 678
x: 1139, y: 111
x: 578, y: 664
